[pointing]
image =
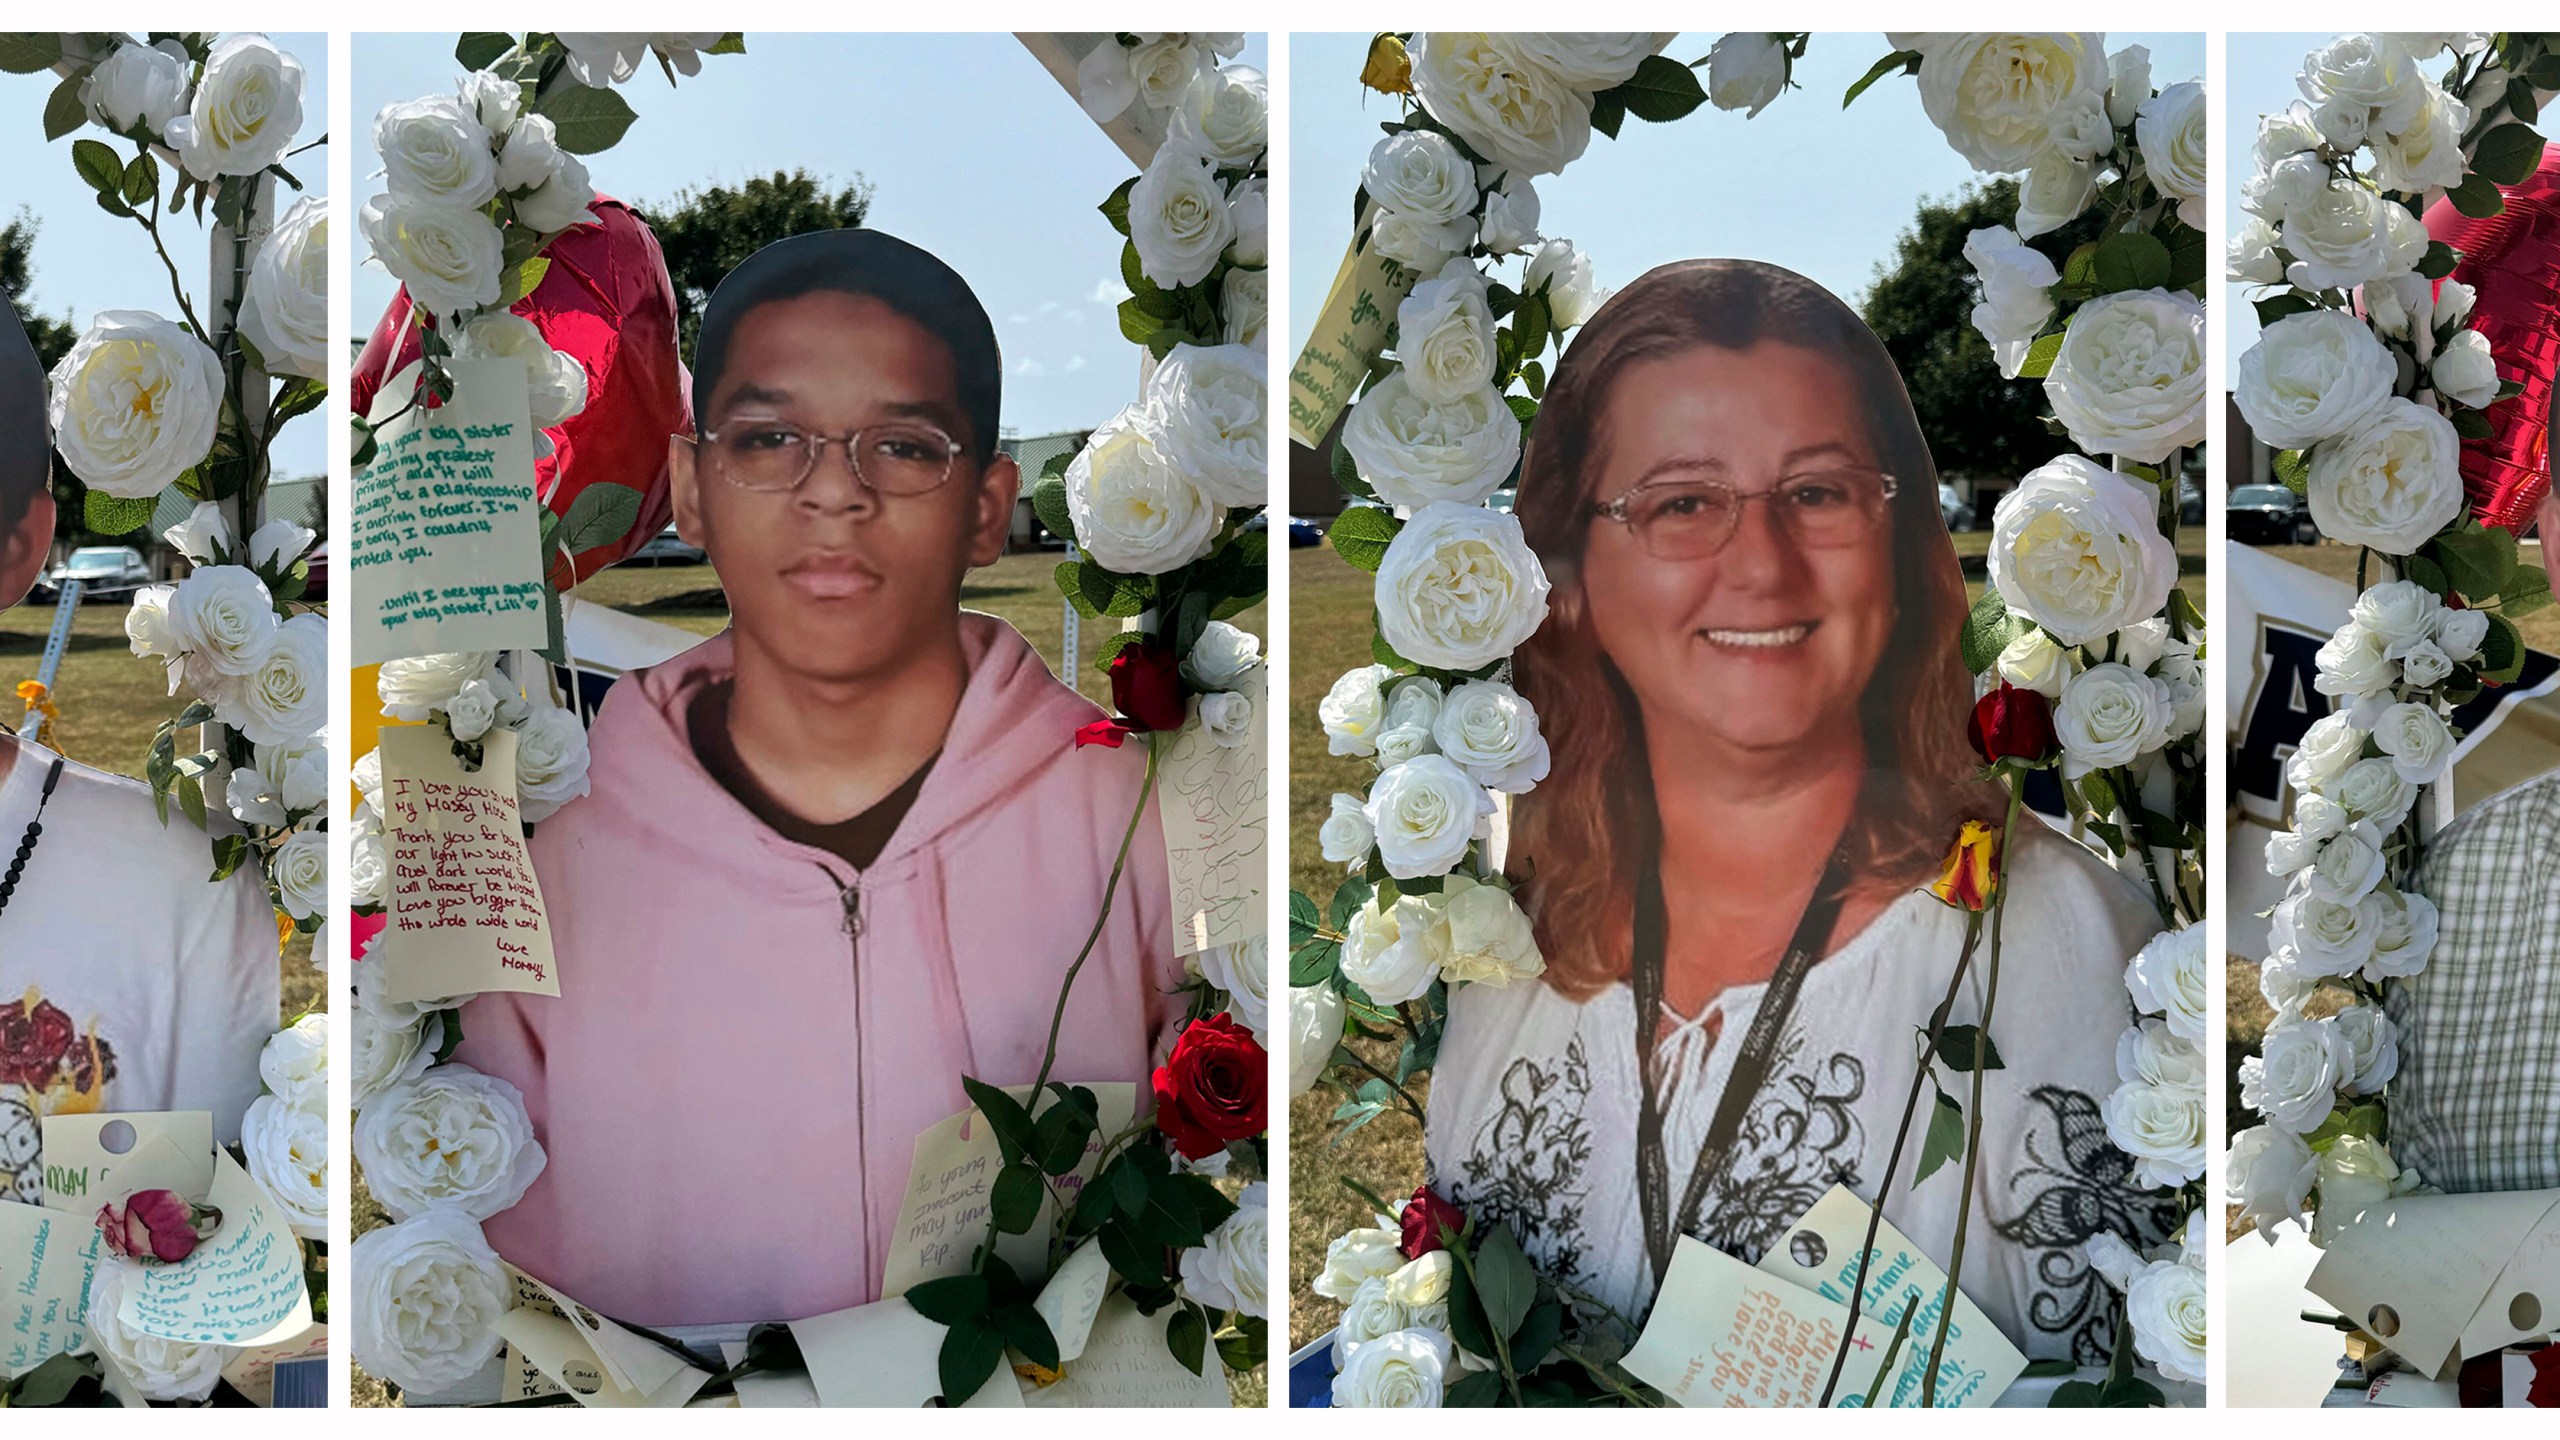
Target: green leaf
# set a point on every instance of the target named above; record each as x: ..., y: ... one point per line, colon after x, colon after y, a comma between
x: 1187, y: 1336
x: 951, y: 1299
x: 29, y: 52
x: 970, y: 1353
x: 1026, y: 1330
x: 2048, y: 1370
x: 2292, y: 469
x: 1479, y: 1390
x: 1049, y: 502
x: 1362, y: 533
x: 63, y: 110
x: 523, y: 279
x: 1304, y: 917
x: 1945, y: 1138
x: 1505, y: 1281
x: 1467, y: 1325
x: 2439, y: 260
x: 2080, y: 271
x: 1906, y: 61
x: 1538, y: 1335
x: 1346, y: 472
x: 98, y: 166
x: 107, y: 515
x: 141, y: 181
x: 1058, y: 1138
x: 1115, y: 207
x: 2074, y: 1395
x: 1988, y: 629
x: 2132, y: 260
x: 2479, y: 563
x: 1005, y: 1115
x: 1315, y: 963
x: 2428, y: 574
x: 2507, y: 155
x: 228, y: 852
x: 2040, y: 357
x: 602, y: 514
x: 2130, y: 1392
x: 2277, y: 307
x: 733, y: 43
x: 480, y: 49
x: 1955, y: 1048
x: 1348, y: 897
x: 52, y: 1383
x: 2477, y: 196
x: 2529, y: 591
x: 2471, y: 424
x: 1136, y: 1258
x: 2502, y: 650
x: 1608, y: 112
x: 2100, y: 793
x: 587, y: 120
x: 1661, y: 90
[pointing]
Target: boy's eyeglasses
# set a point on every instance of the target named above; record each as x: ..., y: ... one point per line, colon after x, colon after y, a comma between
x: 1694, y: 519
x: 897, y: 457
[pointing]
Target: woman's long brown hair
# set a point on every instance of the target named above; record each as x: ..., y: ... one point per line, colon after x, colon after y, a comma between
x: 1582, y: 837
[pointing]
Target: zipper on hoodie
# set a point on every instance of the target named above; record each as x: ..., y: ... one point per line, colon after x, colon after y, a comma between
x: 849, y: 895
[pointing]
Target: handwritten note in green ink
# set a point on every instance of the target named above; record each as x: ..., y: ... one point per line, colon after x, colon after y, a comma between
x: 46, y: 1260
x: 447, y: 534
x: 242, y: 1287
x: 1349, y: 333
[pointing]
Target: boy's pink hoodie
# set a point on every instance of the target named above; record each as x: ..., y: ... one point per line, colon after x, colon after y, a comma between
x: 750, y: 1035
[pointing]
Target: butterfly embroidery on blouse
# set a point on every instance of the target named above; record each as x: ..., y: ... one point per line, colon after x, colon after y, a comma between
x: 2073, y: 1184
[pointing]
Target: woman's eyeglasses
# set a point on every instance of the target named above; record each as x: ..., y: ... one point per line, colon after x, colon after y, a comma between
x: 898, y: 457
x: 1694, y: 519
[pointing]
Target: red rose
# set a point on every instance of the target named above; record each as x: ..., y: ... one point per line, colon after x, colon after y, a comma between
x: 1425, y: 1216
x: 1210, y: 1091
x: 158, y: 1225
x: 34, y: 1036
x: 1146, y: 686
x: 2012, y: 724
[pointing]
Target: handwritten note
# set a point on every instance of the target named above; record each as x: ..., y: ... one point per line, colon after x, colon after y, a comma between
x: 1072, y: 1299
x: 559, y: 1352
x: 1820, y: 1252
x: 447, y: 530
x: 943, y: 1215
x: 242, y: 1287
x: 253, y: 1372
x: 1126, y: 1365
x: 1215, y: 803
x: 886, y: 1355
x: 1348, y: 334
x: 466, y: 911
x: 642, y: 1367
x: 46, y: 1260
x: 1723, y: 1334
x: 78, y: 1165
x: 2438, y: 1277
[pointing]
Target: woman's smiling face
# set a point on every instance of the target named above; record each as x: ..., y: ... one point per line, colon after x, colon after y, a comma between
x: 1768, y: 640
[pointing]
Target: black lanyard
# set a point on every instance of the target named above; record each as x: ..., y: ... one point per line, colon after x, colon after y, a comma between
x: 1662, y: 1225
x: 27, y: 842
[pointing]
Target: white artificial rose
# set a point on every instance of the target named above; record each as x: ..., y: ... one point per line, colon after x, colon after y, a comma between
x: 2342, y: 123
x: 2167, y: 978
x: 1510, y: 223
x: 2371, y: 789
x: 2347, y: 865
x: 369, y: 870
x: 204, y: 537
x: 2129, y: 379
x: 1401, y: 742
x: 448, y: 257
x: 134, y: 404
x: 2033, y: 662
x: 2327, y: 937
x: 560, y: 202
x: 1369, y: 1313
x: 1419, y: 244
x: 1225, y: 115
x: 471, y: 713
x: 2425, y: 666
x: 1425, y: 812
x: 2404, y: 934
x: 1587, y: 60
x: 1356, y: 1258
x: 2355, y: 1173
x: 490, y: 98
x: 451, y: 1137
x: 1398, y: 1371
x: 2182, y: 670
x: 1354, y: 711
x: 435, y: 149
x: 1222, y: 657
x: 2418, y: 741
x: 1746, y: 70
x: 1178, y: 218
x: 1459, y: 588
x: 2322, y: 755
x: 1393, y: 953
x: 1315, y: 1028
x: 294, y: 1066
x: 2250, y: 256
x: 1229, y: 1270
x: 1421, y: 173
x: 1225, y: 717
x: 389, y: 1048
x: 288, y: 1152
x: 162, y: 1369
x: 1347, y: 834
x: 2170, y: 129
x: 2017, y: 293
x: 412, y: 686
x: 2058, y: 188
x: 2368, y: 71
x: 2166, y: 1306
x: 286, y: 309
x: 1492, y: 734
x: 1244, y: 299
x: 2312, y: 376
x: 1507, y: 107
x: 2372, y: 1048
x: 252, y: 801
x: 2268, y: 1175
x: 1249, y: 215
x: 2082, y: 130
x: 1994, y: 96
x: 531, y: 154
x: 138, y: 87
x: 244, y: 113
x: 285, y: 694
x: 1423, y: 1280
x: 2285, y: 985
x: 1134, y: 510
x: 2400, y: 306
x: 1564, y: 274
x: 2453, y: 302
x: 2391, y: 481
x: 1414, y: 701
x: 2459, y: 633
x: 2464, y: 371
x: 1491, y: 941
x: 2342, y: 235
x: 2128, y: 84
x: 2077, y: 548
x: 2425, y: 152
x: 223, y: 615
x: 1208, y: 401
x: 2288, y: 851
x: 278, y: 542
x: 600, y: 59
x: 427, y: 1295
x: 1444, y: 335
x: 551, y: 762
x: 1414, y: 451
x: 2294, y: 1078
x: 2161, y: 1128
x: 556, y: 383
x: 2351, y: 663
x: 1166, y: 67
x: 2274, y: 191
x: 2151, y: 1053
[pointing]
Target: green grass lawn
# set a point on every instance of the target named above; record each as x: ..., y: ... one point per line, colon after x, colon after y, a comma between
x: 111, y: 702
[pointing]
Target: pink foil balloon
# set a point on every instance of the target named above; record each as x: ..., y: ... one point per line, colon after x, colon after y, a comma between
x: 2513, y: 260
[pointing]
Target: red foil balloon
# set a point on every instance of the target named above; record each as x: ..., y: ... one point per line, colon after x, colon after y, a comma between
x: 607, y: 301
x: 2513, y: 260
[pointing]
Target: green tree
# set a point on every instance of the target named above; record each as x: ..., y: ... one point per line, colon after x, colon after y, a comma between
x: 1921, y: 306
x: 52, y: 338
x: 706, y: 232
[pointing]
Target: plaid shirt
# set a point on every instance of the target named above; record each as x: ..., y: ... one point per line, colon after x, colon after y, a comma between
x: 2476, y: 1105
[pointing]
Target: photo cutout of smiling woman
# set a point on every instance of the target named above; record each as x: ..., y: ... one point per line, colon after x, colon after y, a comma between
x: 1751, y: 680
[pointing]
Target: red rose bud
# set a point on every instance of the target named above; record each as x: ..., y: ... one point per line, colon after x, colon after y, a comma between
x: 157, y: 1226
x: 2012, y: 724
x: 1426, y: 1215
x: 1211, y: 1089
x: 1146, y: 686
x: 1102, y: 732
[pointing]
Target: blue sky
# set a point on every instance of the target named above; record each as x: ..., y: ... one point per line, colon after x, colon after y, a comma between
x: 87, y: 260
x: 1806, y: 184
x: 976, y: 153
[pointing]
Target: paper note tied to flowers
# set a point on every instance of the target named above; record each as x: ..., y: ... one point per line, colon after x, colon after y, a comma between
x: 1215, y: 803
x: 466, y: 914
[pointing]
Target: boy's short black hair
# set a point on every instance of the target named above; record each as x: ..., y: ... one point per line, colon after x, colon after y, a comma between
x: 908, y: 280
x: 26, y: 434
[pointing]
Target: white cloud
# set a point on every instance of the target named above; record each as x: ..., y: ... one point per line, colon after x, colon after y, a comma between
x: 1046, y: 306
x: 1109, y: 291
x: 1029, y: 368
x: 1074, y: 364
x: 1017, y: 319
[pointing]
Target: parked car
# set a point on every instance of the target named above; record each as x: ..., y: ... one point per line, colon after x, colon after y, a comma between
x: 104, y: 570
x: 1953, y: 508
x: 2264, y: 515
x: 2190, y: 501
x: 1502, y: 499
x: 1303, y: 532
x: 669, y: 548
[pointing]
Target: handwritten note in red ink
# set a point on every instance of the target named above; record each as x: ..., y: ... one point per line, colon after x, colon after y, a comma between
x: 466, y: 913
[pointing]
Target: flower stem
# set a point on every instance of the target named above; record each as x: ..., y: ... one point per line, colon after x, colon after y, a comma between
x: 1600, y: 1373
